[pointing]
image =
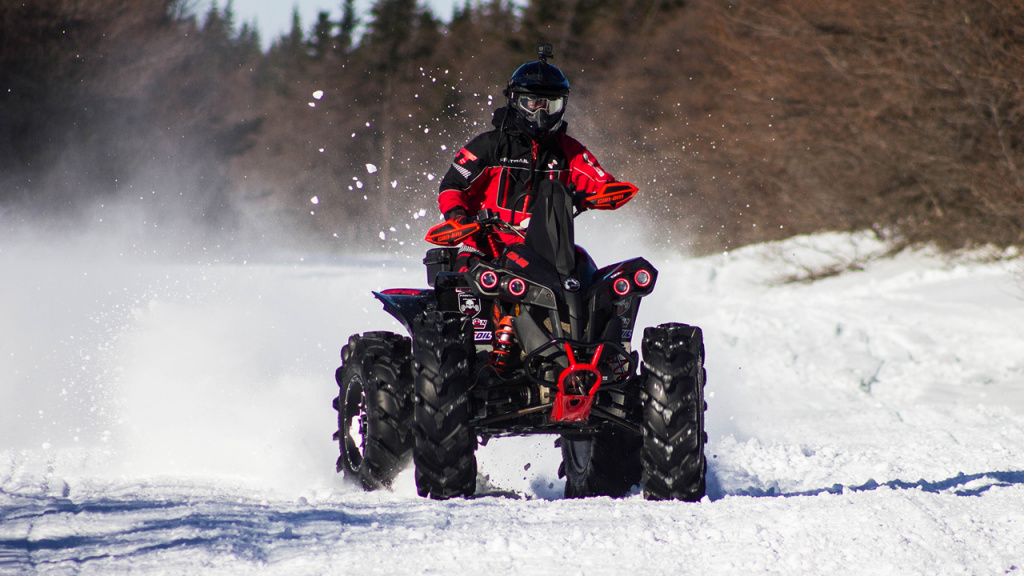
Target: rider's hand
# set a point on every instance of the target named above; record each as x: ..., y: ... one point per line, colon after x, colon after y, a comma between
x: 579, y: 198
x: 457, y: 215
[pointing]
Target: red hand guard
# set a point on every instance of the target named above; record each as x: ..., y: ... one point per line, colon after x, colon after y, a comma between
x: 451, y: 232
x: 611, y: 196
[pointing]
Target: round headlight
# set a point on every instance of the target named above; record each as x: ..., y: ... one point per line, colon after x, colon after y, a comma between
x: 642, y: 278
x: 516, y: 287
x: 488, y: 279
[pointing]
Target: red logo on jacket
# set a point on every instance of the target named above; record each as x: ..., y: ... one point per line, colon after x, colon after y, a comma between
x: 465, y: 156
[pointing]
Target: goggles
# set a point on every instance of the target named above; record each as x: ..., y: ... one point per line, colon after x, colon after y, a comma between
x: 532, y: 103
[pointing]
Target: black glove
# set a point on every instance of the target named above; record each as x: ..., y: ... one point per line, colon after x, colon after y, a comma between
x: 457, y: 214
x: 578, y: 198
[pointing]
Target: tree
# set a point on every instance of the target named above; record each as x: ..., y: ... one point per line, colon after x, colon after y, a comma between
x: 400, y: 42
x: 102, y: 102
x: 321, y: 41
x: 346, y: 27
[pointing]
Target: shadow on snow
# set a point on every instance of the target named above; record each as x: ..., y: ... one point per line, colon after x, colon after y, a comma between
x: 960, y: 485
x: 129, y: 528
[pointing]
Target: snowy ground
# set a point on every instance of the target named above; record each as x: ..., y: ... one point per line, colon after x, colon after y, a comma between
x: 166, y: 418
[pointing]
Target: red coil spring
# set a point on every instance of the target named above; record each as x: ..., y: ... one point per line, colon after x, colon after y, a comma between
x: 503, y: 340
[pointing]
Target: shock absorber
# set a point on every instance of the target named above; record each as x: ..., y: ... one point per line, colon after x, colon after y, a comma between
x: 503, y: 340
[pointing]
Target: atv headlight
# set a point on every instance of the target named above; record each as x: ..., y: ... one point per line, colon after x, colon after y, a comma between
x: 488, y: 279
x: 516, y: 287
x: 642, y: 278
x: 622, y: 286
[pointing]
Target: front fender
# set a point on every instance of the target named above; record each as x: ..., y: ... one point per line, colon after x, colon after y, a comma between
x: 406, y: 303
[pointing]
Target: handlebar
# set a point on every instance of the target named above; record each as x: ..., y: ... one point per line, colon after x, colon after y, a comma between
x: 452, y: 232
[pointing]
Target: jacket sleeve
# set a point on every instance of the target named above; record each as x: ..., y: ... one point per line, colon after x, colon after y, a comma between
x: 468, y: 165
x: 584, y: 170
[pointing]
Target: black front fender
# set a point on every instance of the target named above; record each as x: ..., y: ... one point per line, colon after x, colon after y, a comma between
x: 406, y: 303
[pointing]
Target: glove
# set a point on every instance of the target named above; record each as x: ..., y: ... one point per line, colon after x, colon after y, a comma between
x: 579, y: 198
x: 456, y: 215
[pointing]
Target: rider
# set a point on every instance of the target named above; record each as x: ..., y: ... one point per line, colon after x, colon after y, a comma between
x: 503, y: 170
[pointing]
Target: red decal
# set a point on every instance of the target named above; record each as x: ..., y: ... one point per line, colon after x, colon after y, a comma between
x: 518, y: 260
x: 465, y: 156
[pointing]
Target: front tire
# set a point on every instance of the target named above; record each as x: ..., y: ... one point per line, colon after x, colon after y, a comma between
x: 374, y: 408
x: 606, y: 463
x: 673, y: 453
x: 445, y: 446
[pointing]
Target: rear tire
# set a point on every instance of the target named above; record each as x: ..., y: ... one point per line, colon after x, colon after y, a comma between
x: 445, y: 445
x: 374, y: 407
x: 673, y: 446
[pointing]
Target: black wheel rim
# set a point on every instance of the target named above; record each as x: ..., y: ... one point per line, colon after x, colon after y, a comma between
x: 353, y: 424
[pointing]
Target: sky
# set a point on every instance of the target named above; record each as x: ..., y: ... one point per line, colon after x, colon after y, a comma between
x: 274, y: 17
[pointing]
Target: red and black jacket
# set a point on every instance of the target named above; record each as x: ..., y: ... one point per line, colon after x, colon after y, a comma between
x: 499, y: 170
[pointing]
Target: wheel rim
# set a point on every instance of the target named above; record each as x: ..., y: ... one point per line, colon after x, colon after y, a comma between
x: 353, y: 424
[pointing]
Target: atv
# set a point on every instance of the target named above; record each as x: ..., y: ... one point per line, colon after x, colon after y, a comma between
x: 536, y: 342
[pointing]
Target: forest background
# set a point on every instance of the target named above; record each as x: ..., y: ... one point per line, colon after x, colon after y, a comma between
x: 741, y: 121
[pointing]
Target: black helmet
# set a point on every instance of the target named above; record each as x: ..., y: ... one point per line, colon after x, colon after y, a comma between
x: 537, y: 94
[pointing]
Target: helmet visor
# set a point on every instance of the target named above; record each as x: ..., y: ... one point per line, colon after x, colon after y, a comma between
x: 531, y: 104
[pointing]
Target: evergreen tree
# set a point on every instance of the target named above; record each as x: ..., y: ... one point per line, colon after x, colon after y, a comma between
x: 399, y: 44
x: 106, y: 96
x: 294, y: 40
x: 346, y: 27
x: 321, y: 41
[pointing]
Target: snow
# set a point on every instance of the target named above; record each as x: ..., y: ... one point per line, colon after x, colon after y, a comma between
x: 167, y: 417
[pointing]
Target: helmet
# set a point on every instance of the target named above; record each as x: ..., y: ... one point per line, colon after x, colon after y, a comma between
x: 537, y: 93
